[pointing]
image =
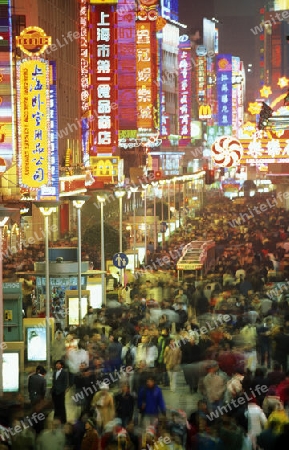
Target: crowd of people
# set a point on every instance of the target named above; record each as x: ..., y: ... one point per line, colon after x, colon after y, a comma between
x: 226, y: 334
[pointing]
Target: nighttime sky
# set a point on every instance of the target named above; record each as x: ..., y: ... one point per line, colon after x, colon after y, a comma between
x: 236, y: 17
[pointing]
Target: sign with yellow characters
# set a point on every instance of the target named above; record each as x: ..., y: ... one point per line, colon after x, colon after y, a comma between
x: 33, y: 122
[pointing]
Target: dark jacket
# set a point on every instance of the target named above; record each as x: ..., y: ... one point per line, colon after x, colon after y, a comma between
x: 36, y: 387
x: 190, y: 353
x: 124, y: 405
x: 60, y: 384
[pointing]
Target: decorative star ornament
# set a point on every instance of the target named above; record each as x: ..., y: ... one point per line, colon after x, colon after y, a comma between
x: 265, y: 91
x: 283, y: 82
x: 254, y: 108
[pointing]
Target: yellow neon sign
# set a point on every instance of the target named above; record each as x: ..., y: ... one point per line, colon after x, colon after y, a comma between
x: 34, y: 129
x: 33, y: 41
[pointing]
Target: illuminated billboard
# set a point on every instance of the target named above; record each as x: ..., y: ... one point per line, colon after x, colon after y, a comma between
x: 33, y: 122
x: 102, y: 51
x: 224, y: 89
x: 36, y: 343
x: 170, y: 9
x: 201, y: 70
x: 205, y: 112
x: 146, y: 73
x: 126, y: 64
x: 52, y: 192
x: 84, y: 75
x: 33, y: 41
x: 265, y: 151
x: 11, y: 371
x: 185, y: 90
x: 6, y: 113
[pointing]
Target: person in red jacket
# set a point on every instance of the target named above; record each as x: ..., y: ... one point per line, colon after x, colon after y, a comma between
x: 282, y: 390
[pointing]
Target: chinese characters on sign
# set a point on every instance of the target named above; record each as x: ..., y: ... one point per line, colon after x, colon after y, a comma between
x: 126, y: 68
x: 52, y: 192
x: 6, y: 143
x: 144, y: 68
x: 235, y: 89
x: 165, y: 119
x: 185, y: 92
x: 265, y: 151
x: 102, y: 62
x: 84, y: 57
x: 202, y: 79
x: 224, y: 89
x: 33, y: 122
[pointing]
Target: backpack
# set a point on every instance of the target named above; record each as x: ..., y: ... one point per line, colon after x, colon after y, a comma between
x: 128, y: 359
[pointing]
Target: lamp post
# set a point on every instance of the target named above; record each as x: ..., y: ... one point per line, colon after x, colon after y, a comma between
x: 120, y: 193
x: 134, y: 190
x: 155, y: 187
x: 102, y: 257
x: 5, y: 214
x: 78, y: 202
x: 162, y: 183
x: 169, y: 206
x: 145, y: 186
x: 174, y: 181
x: 46, y: 209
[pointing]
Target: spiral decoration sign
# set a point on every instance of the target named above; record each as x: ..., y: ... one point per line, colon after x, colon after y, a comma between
x: 227, y: 151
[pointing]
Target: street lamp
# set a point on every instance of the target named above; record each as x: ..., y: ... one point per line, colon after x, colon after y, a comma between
x: 5, y: 214
x: 134, y: 189
x: 155, y: 188
x: 102, y: 257
x: 78, y: 202
x: 145, y: 186
x: 46, y: 209
x: 120, y: 193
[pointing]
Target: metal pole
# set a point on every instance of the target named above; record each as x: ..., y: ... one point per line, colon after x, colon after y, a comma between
x: 1, y: 312
x: 169, y: 209
x: 184, y: 204
x: 79, y: 262
x: 155, y: 223
x: 180, y: 203
x: 120, y: 237
x: 163, y: 232
x: 47, y: 280
x: 145, y: 224
x: 175, y: 196
x: 102, y: 255
x: 134, y: 233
